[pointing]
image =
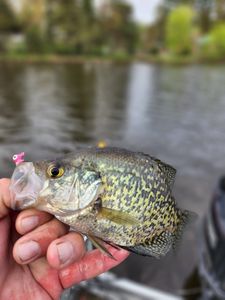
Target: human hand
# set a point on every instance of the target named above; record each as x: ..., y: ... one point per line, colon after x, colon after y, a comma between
x: 39, y: 257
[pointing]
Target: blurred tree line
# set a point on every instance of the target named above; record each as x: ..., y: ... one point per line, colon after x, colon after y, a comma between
x: 77, y: 27
x: 72, y: 27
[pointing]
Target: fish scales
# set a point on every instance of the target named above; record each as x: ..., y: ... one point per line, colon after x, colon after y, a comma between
x: 115, y: 169
x: 115, y: 195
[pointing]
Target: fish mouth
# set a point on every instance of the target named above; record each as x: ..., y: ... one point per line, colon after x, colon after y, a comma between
x: 25, y: 186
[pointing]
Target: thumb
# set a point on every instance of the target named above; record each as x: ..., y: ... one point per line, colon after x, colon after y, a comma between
x: 4, y: 220
x: 5, y: 198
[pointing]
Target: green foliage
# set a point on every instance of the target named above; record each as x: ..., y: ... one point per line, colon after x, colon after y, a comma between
x: 220, y: 10
x: 218, y: 39
x: 63, y: 20
x: 179, y: 30
x: 8, y: 23
x: 213, y: 45
x: 119, y: 31
x: 71, y: 26
x: 76, y: 27
x: 8, y: 20
x: 34, y: 40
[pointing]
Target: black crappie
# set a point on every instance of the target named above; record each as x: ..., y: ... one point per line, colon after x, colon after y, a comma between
x: 113, y: 195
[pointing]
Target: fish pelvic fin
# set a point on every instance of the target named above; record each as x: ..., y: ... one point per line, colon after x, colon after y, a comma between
x: 99, y: 245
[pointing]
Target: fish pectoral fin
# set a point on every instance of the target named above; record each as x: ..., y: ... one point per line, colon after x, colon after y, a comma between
x: 99, y: 245
x: 117, y: 216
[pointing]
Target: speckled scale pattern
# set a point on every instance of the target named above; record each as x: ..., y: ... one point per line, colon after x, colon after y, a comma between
x: 133, y: 183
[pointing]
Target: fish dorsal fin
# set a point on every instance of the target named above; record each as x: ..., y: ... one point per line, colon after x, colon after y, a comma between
x: 168, y: 170
x: 116, y: 216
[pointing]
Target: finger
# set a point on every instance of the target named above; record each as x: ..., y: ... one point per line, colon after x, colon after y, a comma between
x: 47, y: 277
x: 35, y: 243
x: 4, y: 197
x: 30, y: 219
x: 66, y: 250
x: 92, y: 264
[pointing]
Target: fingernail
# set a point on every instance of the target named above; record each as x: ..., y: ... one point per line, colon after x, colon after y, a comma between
x: 29, y: 223
x: 28, y: 250
x: 65, y: 252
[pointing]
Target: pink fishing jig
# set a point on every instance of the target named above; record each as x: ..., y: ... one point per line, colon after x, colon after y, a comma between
x: 18, y: 158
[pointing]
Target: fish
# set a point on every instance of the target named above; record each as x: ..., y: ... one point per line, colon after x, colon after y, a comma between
x: 111, y: 195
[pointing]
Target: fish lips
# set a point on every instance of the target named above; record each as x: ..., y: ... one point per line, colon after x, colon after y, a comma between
x: 25, y: 186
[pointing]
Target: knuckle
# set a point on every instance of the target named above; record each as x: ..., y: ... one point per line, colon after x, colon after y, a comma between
x: 83, y: 271
x: 4, y: 181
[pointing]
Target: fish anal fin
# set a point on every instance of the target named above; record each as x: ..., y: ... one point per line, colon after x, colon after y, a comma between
x: 157, y: 247
x: 117, y: 216
x: 99, y: 245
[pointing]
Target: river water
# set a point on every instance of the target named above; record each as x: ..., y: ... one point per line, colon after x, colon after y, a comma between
x: 174, y: 113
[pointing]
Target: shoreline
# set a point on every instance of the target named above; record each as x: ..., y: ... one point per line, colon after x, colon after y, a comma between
x: 79, y: 59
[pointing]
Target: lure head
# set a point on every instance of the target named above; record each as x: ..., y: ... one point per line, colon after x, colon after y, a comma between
x: 18, y: 158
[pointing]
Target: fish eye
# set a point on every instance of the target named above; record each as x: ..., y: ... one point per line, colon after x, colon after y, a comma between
x: 54, y: 171
x: 14, y: 157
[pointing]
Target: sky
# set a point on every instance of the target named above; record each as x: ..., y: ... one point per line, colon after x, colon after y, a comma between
x: 144, y: 10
